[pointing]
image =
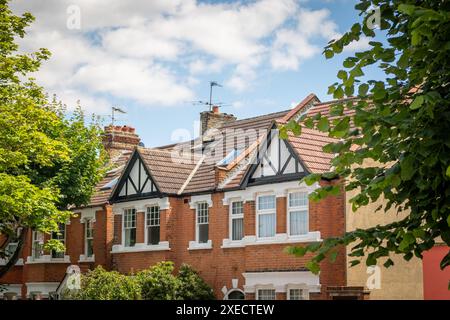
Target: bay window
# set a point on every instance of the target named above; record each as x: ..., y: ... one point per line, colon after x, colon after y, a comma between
x: 298, y: 220
x: 237, y: 220
x: 202, y: 219
x: 266, y: 216
x: 153, y: 225
x: 129, y: 226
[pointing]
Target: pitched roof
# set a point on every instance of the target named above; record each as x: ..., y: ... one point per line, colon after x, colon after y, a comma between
x: 175, y: 175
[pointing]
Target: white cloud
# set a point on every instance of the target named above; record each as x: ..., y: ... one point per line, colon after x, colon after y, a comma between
x: 151, y: 52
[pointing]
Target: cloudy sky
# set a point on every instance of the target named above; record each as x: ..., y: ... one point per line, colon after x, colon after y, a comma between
x: 154, y: 58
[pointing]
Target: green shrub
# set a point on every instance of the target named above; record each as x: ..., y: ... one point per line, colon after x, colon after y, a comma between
x: 191, y: 286
x: 158, y: 282
x: 100, y: 284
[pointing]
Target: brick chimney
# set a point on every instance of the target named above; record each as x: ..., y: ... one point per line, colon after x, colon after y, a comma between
x: 214, y: 119
x: 119, y: 138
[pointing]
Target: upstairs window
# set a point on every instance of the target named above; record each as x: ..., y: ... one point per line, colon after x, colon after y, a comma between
x: 202, y: 219
x: 37, y: 246
x: 266, y: 216
x: 153, y: 225
x: 61, y: 236
x: 129, y: 226
x: 298, y: 213
x: 237, y: 220
x: 89, y: 238
x: 298, y: 294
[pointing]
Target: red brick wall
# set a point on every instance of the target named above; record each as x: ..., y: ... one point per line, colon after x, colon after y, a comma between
x: 218, y: 266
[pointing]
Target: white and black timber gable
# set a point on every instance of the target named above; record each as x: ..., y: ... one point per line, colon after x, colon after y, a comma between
x: 136, y: 182
x: 276, y: 161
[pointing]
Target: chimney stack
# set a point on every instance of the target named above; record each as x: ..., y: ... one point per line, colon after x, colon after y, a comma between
x: 214, y: 119
x: 119, y: 138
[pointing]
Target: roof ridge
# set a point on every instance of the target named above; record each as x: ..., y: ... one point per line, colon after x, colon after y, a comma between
x: 252, y: 118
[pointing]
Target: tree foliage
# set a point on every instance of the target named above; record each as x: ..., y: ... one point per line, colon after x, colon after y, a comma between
x: 49, y: 159
x: 401, y: 124
x: 191, y: 286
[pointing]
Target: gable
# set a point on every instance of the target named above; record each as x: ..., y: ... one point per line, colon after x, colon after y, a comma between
x: 276, y: 161
x: 136, y: 181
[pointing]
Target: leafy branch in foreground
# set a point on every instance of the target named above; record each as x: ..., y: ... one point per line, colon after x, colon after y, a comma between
x: 393, y: 138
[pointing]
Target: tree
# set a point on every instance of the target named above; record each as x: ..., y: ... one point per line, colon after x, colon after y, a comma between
x: 49, y: 160
x: 191, y: 286
x: 402, y: 124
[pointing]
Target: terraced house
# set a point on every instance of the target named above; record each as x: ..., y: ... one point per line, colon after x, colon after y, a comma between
x: 227, y: 203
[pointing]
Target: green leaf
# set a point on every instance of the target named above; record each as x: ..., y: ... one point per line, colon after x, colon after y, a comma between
x: 313, y: 267
x: 323, y: 125
x: 407, y: 8
x: 448, y: 171
x: 329, y: 54
x: 333, y: 256
x: 417, y: 103
x: 388, y: 263
x: 362, y: 89
x: 407, y: 168
x: 342, y: 74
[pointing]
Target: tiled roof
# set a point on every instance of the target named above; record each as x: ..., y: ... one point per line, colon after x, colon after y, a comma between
x: 175, y: 175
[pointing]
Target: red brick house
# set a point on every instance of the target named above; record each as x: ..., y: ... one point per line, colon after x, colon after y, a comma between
x: 227, y: 203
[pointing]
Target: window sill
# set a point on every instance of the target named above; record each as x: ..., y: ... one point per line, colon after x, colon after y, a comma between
x: 194, y: 245
x: 19, y: 262
x: 83, y: 258
x: 48, y: 259
x: 280, y: 238
x: 141, y: 247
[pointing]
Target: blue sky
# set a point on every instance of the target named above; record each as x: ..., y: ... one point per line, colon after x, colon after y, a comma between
x: 153, y: 58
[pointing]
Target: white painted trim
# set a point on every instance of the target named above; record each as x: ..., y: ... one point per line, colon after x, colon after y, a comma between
x: 88, y: 213
x: 43, y: 287
x: 280, y: 280
x: 194, y: 245
x: 13, y: 287
x: 47, y: 258
x: 141, y: 247
x: 201, y: 198
x: 140, y: 205
x: 280, y: 238
x: 19, y: 262
x: 279, y: 189
x: 83, y: 258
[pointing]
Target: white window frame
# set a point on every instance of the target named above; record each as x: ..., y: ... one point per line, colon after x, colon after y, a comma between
x: 125, y: 228
x: 265, y: 212
x: 304, y: 288
x: 148, y: 225
x: 236, y: 216
x: 266, y: 287
x: 87, y: 222
x: 297, y: 208
x: 197, y: 224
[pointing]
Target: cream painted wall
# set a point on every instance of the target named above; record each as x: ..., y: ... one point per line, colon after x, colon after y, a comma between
x: 404, y: 280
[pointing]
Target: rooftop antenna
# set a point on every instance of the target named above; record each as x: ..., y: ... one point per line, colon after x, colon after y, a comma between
x: 211, y: 85
x: 115, y: 109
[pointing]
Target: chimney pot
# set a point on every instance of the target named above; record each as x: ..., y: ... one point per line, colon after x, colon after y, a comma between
x: 216, y: 109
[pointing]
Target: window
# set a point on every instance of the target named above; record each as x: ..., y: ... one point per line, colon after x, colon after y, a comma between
x: 153, y: 225
x: 266, y: 294
x: 266, y: 216
x: 37, y: 245
x: 61, y: 236
x: 10, y: 249
x: 89, y: 238
x: 298, y: 213
x: 236, y: 295
x: 237, y: 220
x: 298, y: 294
x: 202, y: 222
x: 129, y: 226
